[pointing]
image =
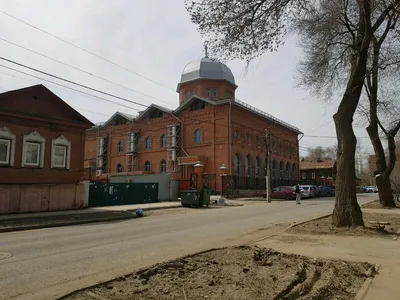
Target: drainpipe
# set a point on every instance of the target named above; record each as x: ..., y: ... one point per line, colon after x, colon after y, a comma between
x: 230, y: 138
x: 180, y: 121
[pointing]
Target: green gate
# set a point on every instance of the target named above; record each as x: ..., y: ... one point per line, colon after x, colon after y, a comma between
x: 109, y: 194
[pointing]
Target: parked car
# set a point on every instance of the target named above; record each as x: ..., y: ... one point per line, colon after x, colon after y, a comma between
x: 371, y: 189
x: 283, y: 192
x: 326, y: 191
x: 308, y: 191
x: 331, y: 186
x: 316, y: 190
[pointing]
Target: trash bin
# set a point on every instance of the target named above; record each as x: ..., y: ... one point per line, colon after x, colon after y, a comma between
x: 190, y: 198
x: 205, y: 197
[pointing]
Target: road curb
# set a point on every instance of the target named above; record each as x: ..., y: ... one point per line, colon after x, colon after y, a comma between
x: 125, y: 215
x: 362, y: 292
x: 70, y: 223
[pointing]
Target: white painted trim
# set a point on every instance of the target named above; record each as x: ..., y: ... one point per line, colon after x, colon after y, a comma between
x: 61, y: 141
x: 7, y: 142
x: 5, y: 133
x: 33, y: 137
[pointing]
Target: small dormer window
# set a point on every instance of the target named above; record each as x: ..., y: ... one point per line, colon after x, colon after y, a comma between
x: 198, y: 105
x: 208, y: 92
x: 156, y: 114
x: 215, y: 93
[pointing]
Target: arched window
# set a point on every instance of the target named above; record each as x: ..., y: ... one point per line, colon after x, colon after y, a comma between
x: 237, y: 164
x: 247, y: 163
x: 294, y: 171
x: 120, y: 147
x: 257, y: 167
x: 274, y: 168
x: 248, y: 138
x: 119, y: 168
x: 197, y: 136
x: 148, y: 143
x: 163, y: 166
x: 281, y: 168
x: 163, y: 141
x: 208, y: 92
x: 257, y: 139
x: 147, y: 166
x: 287, y: 169
x: 237, y: 134
x: 215, y: 92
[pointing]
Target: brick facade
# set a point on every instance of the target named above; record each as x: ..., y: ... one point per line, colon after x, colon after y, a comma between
x: 225, y: 129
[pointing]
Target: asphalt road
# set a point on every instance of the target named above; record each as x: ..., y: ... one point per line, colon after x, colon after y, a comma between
x: 48, y: 263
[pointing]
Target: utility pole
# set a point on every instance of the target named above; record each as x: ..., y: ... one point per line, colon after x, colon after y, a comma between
x: 268, y: 164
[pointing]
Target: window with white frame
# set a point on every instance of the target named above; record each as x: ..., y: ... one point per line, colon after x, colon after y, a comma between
x: 147, y: 166
x: 215, y: 92
x: 60, y: 153
x: 147, y: 143
x: 163, y: 166
x: 33, y: 150
x: 7, y: 147
x: 303, y: 175
x: 197, y: 136
x: 313, y: 175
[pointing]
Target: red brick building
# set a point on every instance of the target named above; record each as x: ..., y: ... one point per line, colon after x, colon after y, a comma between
x: 42, y: 143
x: 372, y: 169
x: 209, y: 126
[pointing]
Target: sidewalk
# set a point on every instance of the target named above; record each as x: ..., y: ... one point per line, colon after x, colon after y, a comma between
x: 39, y: 220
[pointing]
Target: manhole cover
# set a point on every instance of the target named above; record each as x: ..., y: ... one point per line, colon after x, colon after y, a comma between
x: 4, y: 255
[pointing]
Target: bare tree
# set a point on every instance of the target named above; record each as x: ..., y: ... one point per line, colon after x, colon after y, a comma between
x: 335, y: 35
x: 382, y: 112
x: 321, y: 153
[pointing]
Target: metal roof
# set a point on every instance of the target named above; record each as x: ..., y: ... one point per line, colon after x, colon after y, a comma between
x: 265, y: 115
x: 206, y: 68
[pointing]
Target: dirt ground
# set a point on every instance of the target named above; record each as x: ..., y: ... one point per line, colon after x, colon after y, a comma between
x: 245, y: 273
x: 376, y: 204
x: 324, y: 226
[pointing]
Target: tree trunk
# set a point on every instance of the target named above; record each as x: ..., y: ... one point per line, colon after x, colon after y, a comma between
x: 347, y: 212
x: 385, y: 191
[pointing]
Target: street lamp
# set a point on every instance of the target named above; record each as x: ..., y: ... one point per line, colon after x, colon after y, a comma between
x: 223, y: 172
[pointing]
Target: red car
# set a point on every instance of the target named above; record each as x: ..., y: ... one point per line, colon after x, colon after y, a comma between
x: 283, y: 192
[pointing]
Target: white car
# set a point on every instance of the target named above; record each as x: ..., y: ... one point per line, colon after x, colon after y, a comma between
x: 371, y: 189
x: 307, y: 191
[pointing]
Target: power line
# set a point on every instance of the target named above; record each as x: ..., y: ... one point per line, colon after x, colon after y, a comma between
x: 84, y: 50
x: 87, y: 87
x: 82, y: 92
x: 59, y: 86
x: 72, y: 82
x: 83, y: 71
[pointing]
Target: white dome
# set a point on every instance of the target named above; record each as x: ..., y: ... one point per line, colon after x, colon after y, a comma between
x: 207, y: 68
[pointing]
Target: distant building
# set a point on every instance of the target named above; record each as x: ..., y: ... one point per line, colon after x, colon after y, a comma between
x: 41, y: 151
x: 209, y: 126
x: 317, y: 172
x: 372, y: 169
x: 321, y: 172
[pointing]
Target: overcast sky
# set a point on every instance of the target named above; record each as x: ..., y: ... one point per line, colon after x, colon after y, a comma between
x: 152, y: 38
